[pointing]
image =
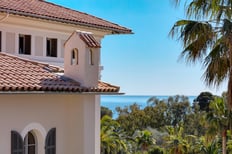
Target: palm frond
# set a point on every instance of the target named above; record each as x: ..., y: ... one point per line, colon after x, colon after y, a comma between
x: 217, y: 64
x: 197, y: 38
x: 199, y: 9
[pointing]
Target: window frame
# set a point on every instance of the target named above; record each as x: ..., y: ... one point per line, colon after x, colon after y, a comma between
x: 28, y: 145
x: 24, y: 44
x: 74, y: 56
x: 51, y: 47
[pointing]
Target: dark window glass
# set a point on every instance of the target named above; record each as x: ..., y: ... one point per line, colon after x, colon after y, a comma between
x: 25, y: 44
x: 74, y: 58
x: 51, y: 47
x: 50, y: 143
x: 29, y: 144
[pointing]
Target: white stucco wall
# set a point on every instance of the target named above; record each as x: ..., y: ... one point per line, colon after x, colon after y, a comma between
x: 75, y: 117
x: 83, y: 72
x: 39, y: 30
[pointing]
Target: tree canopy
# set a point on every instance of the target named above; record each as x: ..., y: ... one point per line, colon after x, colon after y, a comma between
x: 172, y: 125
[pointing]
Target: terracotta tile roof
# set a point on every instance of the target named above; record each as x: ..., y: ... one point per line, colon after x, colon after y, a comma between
x: 21, y: 75
x: 49, y: 11
x: 89, y: 40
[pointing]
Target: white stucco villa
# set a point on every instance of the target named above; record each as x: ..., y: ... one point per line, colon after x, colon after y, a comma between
x: 49, y: 78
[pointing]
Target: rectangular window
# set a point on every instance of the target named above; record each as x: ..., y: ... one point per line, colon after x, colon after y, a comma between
x: 51, y: 47
x: 24, y: 44
x: 0, y: 41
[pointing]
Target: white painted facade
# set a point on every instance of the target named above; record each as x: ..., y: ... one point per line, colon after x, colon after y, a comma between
x: 75, y: 117
x: 11, y: 26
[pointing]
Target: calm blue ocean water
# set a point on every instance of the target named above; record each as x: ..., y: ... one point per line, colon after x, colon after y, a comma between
x: 112, y: 101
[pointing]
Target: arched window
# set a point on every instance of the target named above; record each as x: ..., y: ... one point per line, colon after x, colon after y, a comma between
x: 29, y: 144
x: 18, y: 146
x: 74, y: 57
x: 91, y: 57
x: 50, y: 142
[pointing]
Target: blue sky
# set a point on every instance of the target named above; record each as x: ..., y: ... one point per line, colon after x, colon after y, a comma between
x: 146, y: 62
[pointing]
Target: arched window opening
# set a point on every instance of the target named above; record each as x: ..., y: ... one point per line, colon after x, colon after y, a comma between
x: 74, y: 57
x: 29, y: 144
x: 50, y: 143
x: 91, y: 61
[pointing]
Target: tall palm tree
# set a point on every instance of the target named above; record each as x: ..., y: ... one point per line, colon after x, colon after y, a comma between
x: 207, y: 37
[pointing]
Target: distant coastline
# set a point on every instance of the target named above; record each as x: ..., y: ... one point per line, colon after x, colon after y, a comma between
x: 113, y: 101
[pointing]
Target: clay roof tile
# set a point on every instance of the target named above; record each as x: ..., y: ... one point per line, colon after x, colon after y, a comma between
x: 17, y: 74
x: 49, y: 11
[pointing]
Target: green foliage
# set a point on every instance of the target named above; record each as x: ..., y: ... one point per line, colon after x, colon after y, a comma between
x: 168, y: 126
x: 111, y: 140
x: 106, y: 111
x: 157, y: 114
x: 206, y: 147
x: 144, y: 140
x: 206, y: 35
x: 132, y: 118
x: 178, y: 142
x: 203, y: 100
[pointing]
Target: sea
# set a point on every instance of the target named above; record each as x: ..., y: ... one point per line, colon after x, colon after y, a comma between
x: 113, y: 101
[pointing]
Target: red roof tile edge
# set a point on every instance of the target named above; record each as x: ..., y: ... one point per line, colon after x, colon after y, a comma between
x: 115, y: 28
x: 47, y: 82
x: 90, y: 40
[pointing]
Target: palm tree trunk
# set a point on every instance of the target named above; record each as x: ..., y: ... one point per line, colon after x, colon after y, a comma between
x: 224, y: 141
x: 229, y: 92
x: 229, y: 95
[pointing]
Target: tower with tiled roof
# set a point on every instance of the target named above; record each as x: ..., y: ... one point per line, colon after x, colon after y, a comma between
x: 81, y: 58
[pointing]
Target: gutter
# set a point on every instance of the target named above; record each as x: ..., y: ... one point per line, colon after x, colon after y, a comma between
x: 113, y: 30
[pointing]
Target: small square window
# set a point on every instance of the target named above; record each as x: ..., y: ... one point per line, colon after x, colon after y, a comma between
x: 51, y: 47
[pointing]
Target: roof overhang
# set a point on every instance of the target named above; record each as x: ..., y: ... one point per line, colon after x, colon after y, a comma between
x: 57, y: 93
x: 25, y: 14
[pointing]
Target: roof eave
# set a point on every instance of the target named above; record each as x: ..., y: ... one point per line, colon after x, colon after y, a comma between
x: 113, y: 30
x: 59, y: 93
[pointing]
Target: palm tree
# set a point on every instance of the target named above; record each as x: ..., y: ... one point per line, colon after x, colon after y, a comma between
x: 218, y: 119
x: 207, y: 37
x: 209, y: 147
x: 176, y: 141
x: 111, y: 141
x: 144, y: 140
